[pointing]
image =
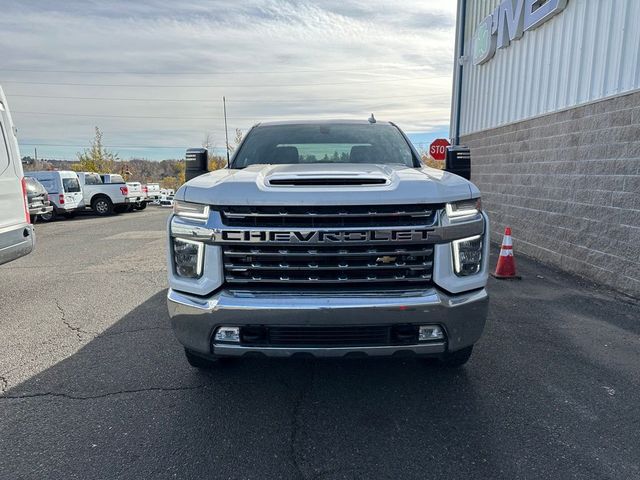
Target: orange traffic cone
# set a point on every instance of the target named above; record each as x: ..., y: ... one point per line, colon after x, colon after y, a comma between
x: 506, y: 268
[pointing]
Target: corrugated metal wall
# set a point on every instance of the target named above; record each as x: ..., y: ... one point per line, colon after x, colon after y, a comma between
x: 589, y: 51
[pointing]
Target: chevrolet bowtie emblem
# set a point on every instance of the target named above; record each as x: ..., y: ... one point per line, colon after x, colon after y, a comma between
x: 386, y: 259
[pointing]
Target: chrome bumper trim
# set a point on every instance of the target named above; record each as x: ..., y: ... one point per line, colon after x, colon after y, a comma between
x: 380, y: 351
x: 194, y: 319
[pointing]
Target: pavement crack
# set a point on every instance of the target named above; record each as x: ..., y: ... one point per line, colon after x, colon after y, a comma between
x: 133, y: 330
x: 77, y: 330
x: 295, y: 421
x: 4, y: 383
x: 102, y: 395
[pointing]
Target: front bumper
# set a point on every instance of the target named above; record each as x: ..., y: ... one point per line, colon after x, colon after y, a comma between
x: 195, y: 319
x: 16, y: 241
x: 40, y: 210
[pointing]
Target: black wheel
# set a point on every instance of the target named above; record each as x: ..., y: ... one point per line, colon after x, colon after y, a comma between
x: 33, y: 219
x: 141, y: 205
x: 197, y: 361
x: 129, y: 208
x: 102, y: 206
x: 457, y: 359
x: 48, y: 217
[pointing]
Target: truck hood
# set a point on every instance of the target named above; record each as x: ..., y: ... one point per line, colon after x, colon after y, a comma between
x: 311, y: 184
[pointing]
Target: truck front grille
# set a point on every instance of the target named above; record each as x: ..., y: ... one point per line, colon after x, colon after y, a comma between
x: 328, y: 265
x: 360, y: 266
x: 330, y: 216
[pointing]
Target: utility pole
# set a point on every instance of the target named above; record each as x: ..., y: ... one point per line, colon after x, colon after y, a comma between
x: 226, y: 130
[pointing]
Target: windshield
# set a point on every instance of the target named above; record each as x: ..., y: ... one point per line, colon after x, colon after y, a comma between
x: 71, y: 185
x: 324, y: 143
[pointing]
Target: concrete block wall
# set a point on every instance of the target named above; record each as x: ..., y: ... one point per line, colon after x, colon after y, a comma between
x: 568, y: 183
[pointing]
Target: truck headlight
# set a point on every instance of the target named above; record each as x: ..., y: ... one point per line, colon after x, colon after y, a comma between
x: 464, y: 208
x: 188, y: 258
x: 467, y: 255
x: 195, y: 211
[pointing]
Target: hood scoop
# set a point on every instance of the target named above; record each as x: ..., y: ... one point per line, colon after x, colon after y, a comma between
x: 326, y: 181
x: 326, y: 175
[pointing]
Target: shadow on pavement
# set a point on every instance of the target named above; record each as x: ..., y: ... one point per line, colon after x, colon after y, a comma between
x: 127, y: 405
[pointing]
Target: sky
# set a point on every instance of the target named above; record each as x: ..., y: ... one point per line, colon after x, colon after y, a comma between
x: 152, y: 73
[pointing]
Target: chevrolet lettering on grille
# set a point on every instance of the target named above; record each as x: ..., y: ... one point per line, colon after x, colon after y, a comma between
x: 277, y: 236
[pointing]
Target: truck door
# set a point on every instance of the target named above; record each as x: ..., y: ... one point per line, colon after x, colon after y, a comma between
x: 72, y: 191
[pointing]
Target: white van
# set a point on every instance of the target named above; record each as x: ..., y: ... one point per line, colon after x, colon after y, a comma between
x: 64, y: 191
x: 16, y: 232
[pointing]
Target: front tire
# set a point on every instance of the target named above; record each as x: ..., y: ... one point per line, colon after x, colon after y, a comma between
x: 102, y: 206
x: 457, y: 359
x: 199, y: 362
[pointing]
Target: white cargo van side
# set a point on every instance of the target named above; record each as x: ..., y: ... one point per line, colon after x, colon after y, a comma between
x: 16, y: 232
x: 64, y: 192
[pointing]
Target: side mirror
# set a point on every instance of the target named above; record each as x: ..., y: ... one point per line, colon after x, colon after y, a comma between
x: 458, y: 161
x: 197, y: 163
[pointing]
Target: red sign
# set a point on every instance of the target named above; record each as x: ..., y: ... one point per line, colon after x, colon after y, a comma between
x: 438, y: 149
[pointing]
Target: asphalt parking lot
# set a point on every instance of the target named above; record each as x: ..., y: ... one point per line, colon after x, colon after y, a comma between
x: 94, y: 385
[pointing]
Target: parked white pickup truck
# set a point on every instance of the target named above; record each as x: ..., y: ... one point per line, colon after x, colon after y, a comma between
x: 327, y: 239
x: 103, y: 199
x: 152, y: 190
x: 134, y: 193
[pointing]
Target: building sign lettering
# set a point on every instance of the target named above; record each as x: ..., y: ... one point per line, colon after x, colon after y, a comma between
x: 508, y: 22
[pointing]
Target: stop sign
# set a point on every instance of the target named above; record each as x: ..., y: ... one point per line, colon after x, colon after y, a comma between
x: 438, y: 149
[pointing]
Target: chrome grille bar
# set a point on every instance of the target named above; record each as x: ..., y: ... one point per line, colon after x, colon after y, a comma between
x: 416, y: 213
x: 343, y: 252
x: 329, y: 216
x: 243, y: 268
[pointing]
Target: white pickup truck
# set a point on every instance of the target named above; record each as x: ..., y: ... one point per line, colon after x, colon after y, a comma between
x: 136, y: 197
x: 152, y: 191
x: 103, y: 199
x: 327, y: 239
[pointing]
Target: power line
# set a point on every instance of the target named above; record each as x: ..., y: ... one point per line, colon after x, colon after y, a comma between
x: 133, y: 147
x: 196, y: 100
x: 364, y: 68
x: 172, y: 117
x: 151, y: 117
x: 127, y: 85
x: 98, y: 115
x: 32, y: 144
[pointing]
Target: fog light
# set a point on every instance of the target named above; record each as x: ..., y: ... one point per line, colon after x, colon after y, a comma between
x: 429, y: 333
x: 228, y: 334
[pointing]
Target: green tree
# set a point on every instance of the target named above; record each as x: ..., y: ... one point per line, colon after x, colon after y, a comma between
x: 97, y: 158
x: 170, y: 182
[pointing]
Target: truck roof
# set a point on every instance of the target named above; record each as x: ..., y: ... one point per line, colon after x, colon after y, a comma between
x: 321, y: 122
